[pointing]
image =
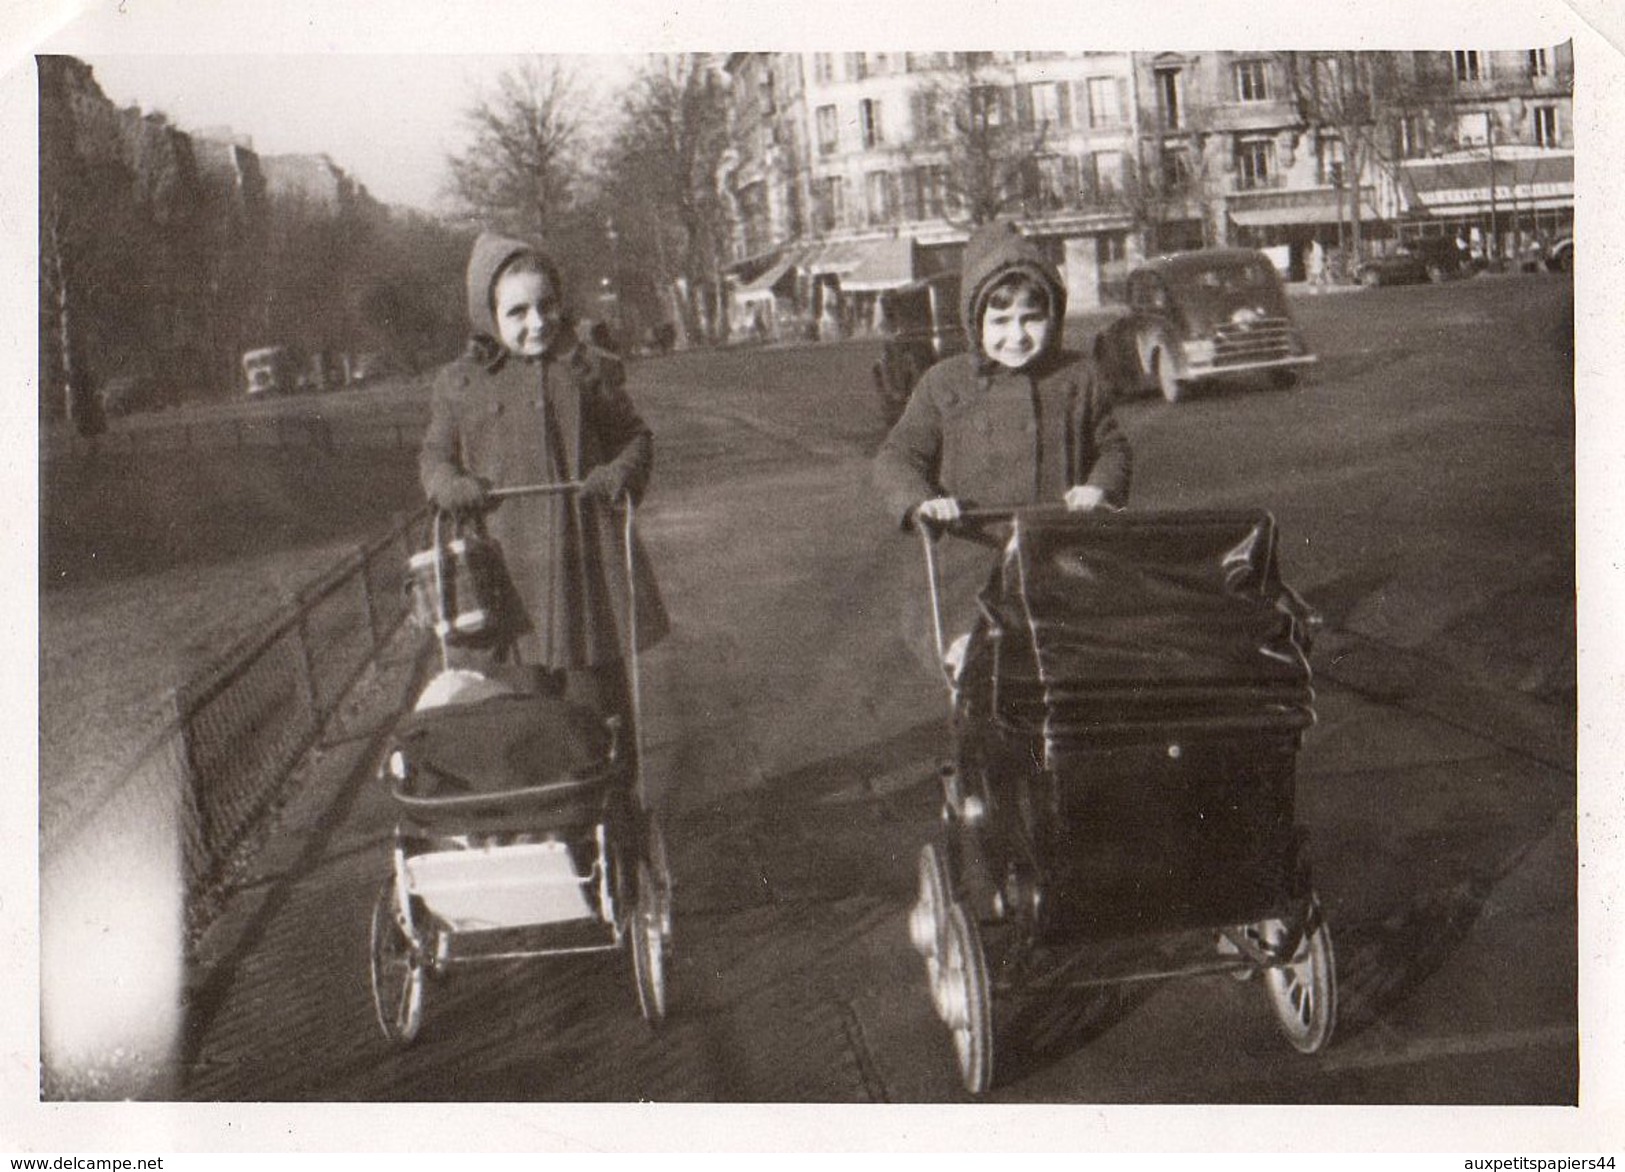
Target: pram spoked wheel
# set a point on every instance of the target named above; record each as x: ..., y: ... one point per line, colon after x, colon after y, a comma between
x: 1303, y: 990
x: 650, y: 928
x: 956, y: 968
x: 965, y: 1001
x: 398, y: 970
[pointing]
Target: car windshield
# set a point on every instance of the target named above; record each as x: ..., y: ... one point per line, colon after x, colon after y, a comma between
x: 1233, y: 278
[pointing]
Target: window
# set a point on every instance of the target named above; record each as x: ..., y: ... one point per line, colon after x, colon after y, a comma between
x: 831, y: 203
x: 1409, y: 140
x: 1105, y: 97
x: 1329, y: 160
x: 1468, y: 65
x: 1473, y: 129
x: 922, y: 193
x: 1044, y: 105
x: 880, y: 192
x: 986, y: 106
x: 829, y: 130
x: 1255, y: 163
x: 823, y: 68
x: 1545, y: 118
x: 929, y: 124
x: 1252, y: 81
x: 857, y: 66
x: 1053, y: 190
x: 869, y: 122
x: 1539, y: 65
x: 1176, y: 166
x: 1104, y: 181
x: 1167, y: 83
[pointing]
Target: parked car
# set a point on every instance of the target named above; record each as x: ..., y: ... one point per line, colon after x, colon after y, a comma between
x: 1560, y: 256
x: 1194, y: 316
x: 127, y: 394
x: 921, y: 326
x: 270, y: 370
x: 1431, y: 259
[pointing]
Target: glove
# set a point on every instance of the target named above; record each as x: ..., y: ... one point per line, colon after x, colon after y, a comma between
x: 460, y: 494
x: 604, y: 483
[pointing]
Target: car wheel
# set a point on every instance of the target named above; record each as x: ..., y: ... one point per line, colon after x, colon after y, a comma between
x: 1167, y: 381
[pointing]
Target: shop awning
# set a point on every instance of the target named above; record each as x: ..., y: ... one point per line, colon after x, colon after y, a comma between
x: 1320, y: 209
x: 864, y: 265
x: 761, y: 287
x: 884, y: 264
x: 1462, y: 184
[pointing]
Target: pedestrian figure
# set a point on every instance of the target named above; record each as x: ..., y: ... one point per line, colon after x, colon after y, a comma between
x: 1317, y: 267
x: 531, y: 403
x: 1017, y: 420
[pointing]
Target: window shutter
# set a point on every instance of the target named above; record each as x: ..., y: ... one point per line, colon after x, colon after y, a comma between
x: 1120, y: 115
x: 1063, y: 104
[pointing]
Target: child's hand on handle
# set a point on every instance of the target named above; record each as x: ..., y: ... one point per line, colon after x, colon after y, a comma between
x: 937, y: 513
x: 460, y: 494
x: 1082, y: 498
x: 604, y: 483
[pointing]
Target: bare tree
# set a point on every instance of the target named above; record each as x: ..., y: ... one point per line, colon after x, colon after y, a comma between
x: 1379, y: 107
x: 662, y: 177
x: 981, y: 138
x: 522, y: 167
x: 1169, y: 182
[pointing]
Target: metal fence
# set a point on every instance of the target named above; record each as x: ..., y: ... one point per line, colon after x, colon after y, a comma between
x: 238, y: 729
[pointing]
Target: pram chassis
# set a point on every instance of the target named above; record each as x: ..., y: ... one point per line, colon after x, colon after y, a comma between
x: 1004, y: 909
x: 456, y: 894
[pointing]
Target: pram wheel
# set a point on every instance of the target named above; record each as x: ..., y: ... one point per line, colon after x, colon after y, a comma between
x: 928, y: 918
x: 397, y: 971
x: 651, y: 927
x: 964, y: 998
x: 1303, y: 990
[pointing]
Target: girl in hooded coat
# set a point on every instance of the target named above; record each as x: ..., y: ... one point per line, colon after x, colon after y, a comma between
x: 529, y: 403
x: 1017, y: 420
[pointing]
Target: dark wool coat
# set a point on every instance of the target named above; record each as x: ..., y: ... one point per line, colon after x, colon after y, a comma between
x: 991, y: 436
x: 510, y: 421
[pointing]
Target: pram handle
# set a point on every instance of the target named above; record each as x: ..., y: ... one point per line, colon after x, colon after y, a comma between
x: 565, y: 486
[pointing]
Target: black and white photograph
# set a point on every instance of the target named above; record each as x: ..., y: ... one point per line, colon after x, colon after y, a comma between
x: 714, y: 565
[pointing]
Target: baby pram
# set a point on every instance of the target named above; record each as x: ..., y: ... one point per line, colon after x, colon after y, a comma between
x: 523, y: 830
x: 1119, y: 806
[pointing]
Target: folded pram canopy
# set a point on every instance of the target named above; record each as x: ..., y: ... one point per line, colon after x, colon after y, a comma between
x: 501, y: 759
x: 1109, y: 621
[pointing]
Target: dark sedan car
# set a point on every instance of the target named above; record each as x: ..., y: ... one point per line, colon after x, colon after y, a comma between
x: 1417, y: 263
x: 921, y: 326
x: 1195, y: 316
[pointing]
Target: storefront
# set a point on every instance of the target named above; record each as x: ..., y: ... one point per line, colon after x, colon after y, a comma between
x: 1284, y: 224
x: 1529, y: 204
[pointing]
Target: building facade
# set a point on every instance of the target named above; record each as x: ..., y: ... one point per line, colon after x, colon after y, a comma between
x: 860, y: 171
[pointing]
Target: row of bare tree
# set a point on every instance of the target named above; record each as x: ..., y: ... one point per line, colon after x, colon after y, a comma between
x: 634, y: 216
x: 163, y: 258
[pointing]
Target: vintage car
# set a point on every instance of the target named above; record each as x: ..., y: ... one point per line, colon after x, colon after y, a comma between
x: 1195, y: 316
x: 1560, y: 256
x: 271, y: 370
x: 1431, y: 259
x: 920, y: 324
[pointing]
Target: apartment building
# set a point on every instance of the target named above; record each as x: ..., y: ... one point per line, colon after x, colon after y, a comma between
x: 858, y: 171
x: 848, y: 179
x: 1496, y: 170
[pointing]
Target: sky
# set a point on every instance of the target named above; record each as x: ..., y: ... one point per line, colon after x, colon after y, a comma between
x: 389, y: 120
